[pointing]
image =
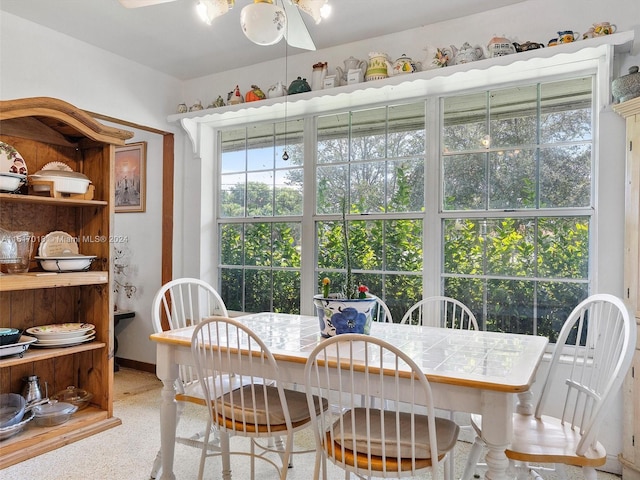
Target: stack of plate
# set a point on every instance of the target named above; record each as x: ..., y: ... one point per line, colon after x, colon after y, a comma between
x: 62, y: 334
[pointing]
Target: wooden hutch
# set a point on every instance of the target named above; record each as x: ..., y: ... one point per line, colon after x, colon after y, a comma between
x: 47, y: 130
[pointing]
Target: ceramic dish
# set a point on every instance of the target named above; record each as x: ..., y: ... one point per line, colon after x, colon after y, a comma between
x: 17, y: 428
x: 60, y: 166
x: 61, y: 330
x: 63, y: 181
x: 66, y: 263
x: 17, y: 348
x: 57, y: 243
x: 11, y: 161
x: 65, y: 341
x: 10, y: 182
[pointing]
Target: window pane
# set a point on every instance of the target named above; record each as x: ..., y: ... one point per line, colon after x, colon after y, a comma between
x: 403, y: 245
x: 286, y: 292
x: 286, y: 244
x: 289, y: 138
x: 510, y: 247
x: 513, y: 115
x: 257, y: 244
x: 465, y: 181
x: 333, y: 138
x: 368, y: 134
x: 367, y: 186
x: 331, y: 188
x: 260, y: 194
x: 289, y: 195
x: 406, y: 130
x: 512, y: 179
x: 232, y: 288
x: 231, y: 242
x: 463, y: 244
x: 258, y: 291
x: 556, y: 300
x: 563, y: 245
x: 566, y: 110
x: 405, y: 185
x: 232, y: 192
x: 510, y: 306
x: 565, y: 176
x: 465, y: 122
x: 233, y: 158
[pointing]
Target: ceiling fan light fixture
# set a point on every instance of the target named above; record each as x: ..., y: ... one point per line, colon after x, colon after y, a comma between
x: 208, y: 10
x: 263, y: 22
x: 316, y: 9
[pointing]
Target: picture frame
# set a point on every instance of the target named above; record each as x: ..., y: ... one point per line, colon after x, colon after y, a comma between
x: 130, y: 169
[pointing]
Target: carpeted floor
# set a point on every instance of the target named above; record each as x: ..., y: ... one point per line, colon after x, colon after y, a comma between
x: 127, y: 452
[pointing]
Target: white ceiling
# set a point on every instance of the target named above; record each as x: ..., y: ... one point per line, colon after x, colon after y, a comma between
x: 170, y: 38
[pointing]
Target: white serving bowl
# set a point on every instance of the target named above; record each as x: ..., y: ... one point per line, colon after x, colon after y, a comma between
x: 63, y: 181
x: 10, y: 182
x: 68, y: 263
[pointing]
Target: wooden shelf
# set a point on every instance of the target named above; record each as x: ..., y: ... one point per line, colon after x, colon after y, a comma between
x: 34, y: 280
x: 82, y: 424
x: 37, y: 199
x: 35, y: 354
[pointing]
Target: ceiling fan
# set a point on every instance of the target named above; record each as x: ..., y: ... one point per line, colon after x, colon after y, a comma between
x: 264, y: 22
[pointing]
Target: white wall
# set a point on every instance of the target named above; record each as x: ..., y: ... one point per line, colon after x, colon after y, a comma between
x: 37, y: 61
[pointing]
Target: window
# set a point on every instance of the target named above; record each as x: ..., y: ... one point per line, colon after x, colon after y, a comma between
x: 260, y: 218
x: 517, y: 203
x: 512, y: 232
x: 372, y: 161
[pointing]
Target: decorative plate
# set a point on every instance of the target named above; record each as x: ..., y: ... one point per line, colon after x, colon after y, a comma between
x: 91, y: 334
x: 63, y: 167
x: 56, y: 244
x: 11, y: 161
x: 64, y: 343
x: 61, y: 330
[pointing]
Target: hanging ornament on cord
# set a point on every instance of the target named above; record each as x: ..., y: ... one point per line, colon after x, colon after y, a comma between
x: 285, y: 155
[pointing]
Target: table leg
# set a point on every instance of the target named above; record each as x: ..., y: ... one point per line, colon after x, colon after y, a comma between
x: 167, y: 371
x: 497, y: 429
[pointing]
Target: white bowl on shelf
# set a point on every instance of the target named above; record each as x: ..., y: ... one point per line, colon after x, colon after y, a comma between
x: 10, y: 182
x: 66, y: 263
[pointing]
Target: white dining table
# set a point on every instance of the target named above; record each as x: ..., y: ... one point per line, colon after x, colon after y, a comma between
x: 470, y: 371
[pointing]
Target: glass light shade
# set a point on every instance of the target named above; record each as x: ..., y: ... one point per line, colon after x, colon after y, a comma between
x: 263, y: 22
x: 208, y: 10
x: 317, y: 9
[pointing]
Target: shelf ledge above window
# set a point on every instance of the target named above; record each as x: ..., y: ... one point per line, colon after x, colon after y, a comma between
x: 559, y: 60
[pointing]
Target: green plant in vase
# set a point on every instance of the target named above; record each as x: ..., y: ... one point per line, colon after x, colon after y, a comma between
x: 349, y: 310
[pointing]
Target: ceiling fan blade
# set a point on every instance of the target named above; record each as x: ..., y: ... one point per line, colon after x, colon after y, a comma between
x: 142, y: 3
x: 296, y: 33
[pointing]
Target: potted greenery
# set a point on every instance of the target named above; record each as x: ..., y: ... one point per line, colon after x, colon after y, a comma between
x: 350, y: 310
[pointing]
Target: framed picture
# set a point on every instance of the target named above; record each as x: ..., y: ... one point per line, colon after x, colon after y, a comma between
x: 131, y: 177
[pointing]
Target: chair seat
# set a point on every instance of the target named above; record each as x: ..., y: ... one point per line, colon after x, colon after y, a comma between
x: 194, y: 393
x: 547, y: 440
x: 238, y: 403
x: 369, y: 432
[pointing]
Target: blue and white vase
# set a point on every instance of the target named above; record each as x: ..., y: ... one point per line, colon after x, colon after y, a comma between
x: 343, y: 315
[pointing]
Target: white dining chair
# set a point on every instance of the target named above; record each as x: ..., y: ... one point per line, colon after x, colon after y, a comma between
x: 591, y: 356
x: 444, y: 312
x: 257, y: 408
x: 382, y: 313
x: 181, y: 303
x: 362, y: 437
x: 441, y: 311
